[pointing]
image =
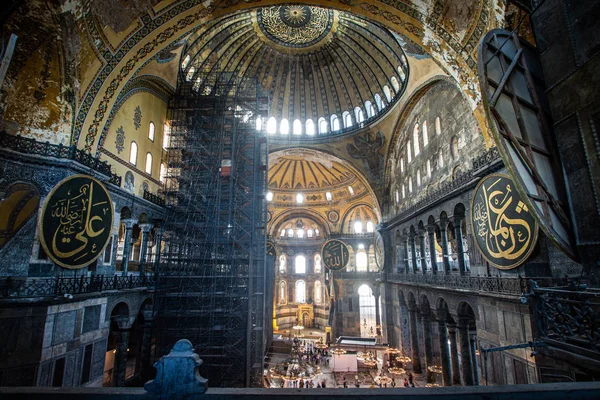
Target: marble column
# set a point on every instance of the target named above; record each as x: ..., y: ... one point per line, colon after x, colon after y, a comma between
x: 406, y: 255
x: 146, y: 359
x: 146, y: 228
x: 122, y: 329
x: 432, y: 252
x: 454, y: 354
x: 423, y: 251
x: 158, y: 232
x: 414, y: 338
x: 460, y: 250
x: 444, y: 348
x: 128, y: 224
x: 413, y: 249
x: 428, y: 340
x: 444, y: 245
x: 473, y: 337
x: 466, y: 366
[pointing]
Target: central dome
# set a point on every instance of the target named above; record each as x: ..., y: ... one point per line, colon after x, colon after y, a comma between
x: 295, y: 26
x: 326, y: 72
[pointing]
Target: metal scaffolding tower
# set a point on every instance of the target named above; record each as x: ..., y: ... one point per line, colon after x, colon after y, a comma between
x: 214, y: 286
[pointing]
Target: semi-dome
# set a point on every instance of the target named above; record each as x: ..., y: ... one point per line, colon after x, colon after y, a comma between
x: 327, y: 71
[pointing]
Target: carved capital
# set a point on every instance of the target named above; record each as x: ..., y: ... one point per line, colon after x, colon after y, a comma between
x: 146, y: 227
x: 129, y: 222
x: 123, y: 322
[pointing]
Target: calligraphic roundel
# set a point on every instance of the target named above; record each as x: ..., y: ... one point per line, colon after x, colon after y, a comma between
x: 335, y: 255
x: 504, y: 228
x: 76, y: 222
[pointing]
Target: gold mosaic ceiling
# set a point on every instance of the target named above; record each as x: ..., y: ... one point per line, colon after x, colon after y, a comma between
x: 315, y: 62
x: 298, y: 173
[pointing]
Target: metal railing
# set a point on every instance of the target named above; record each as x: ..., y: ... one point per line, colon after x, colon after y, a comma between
x: 570, y: 315
x: 154, y: 198
x: 59, y: 286
x: 492, y: 284
x: 33, y: 147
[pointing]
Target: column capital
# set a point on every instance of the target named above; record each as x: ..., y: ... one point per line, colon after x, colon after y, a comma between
x: 412, y: 306
x: 129, y: 222
x: 425, y: 311
x: 457, y: 219
x: 146, y: 227
x: 431, y: 228
x: 123, y: 322
x: 442, y: 316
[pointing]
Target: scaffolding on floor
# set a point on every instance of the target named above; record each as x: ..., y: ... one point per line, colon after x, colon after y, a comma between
x: 214, y: 286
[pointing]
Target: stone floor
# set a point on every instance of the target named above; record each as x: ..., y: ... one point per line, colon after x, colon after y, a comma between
x: 336, y: 379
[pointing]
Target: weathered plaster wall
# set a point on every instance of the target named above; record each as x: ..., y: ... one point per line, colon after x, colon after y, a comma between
x: 445, y: 101
x: 131, y: 124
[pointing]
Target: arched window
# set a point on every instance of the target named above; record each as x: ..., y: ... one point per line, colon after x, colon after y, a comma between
x: 299, y: 198
x: 378, y: 102
x: 454, y: 147
x: 133, y: 153
x: 370, y: 109
x: 409, y: 184
x: 271, y: 125
x: 317, y: 263
x: 401, y: 73
x: 397, y: 197
x: 440, y: 159
x: 403, y: 191
x: 418, y: 177
x: 428, y: 169
x: 328, y: 196
x: 300, y: 233
x: 366, y: 302
x: 395, y: 84
x: 310, y: 127
x: 322, y: 125
x: 282, y: 233
x: 149, y: 163
x: 438, y: 126
x: 190, y: 74
x: 290, y: 233
x: 269, y: 196
x: 282, y: 259
x: 163, y: 172
x: 284, y: 127
x: 408, y: 152
x: 166, y: 135
x: 335, y: 123
x: 347, y: 119
x: 151, y: 131
x: 359, y: 115
x: 370, y: 226
x: 297, y: 129
x: 317, y: 293
x: 387, y: 93
x: 362, y: 261
x: 358, y: 227
x: 300, y: 264
x: 416, y: 139
x: 259, y: 122
x: 309, y: 233
x: 300, y: 291
x: 282, y: 296
x: 402, y: 165
x: 316, y: 232
x: 425, y: 135
x: 185, y: 62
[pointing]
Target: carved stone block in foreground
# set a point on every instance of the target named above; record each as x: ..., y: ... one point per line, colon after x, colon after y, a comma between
x: 177, y: 373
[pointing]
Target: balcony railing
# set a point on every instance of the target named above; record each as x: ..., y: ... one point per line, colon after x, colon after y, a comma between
x: 154, y: 198
x: 59, y: 286
x: 505, y: 285
x: 31, y: 146
x: 568, y: 316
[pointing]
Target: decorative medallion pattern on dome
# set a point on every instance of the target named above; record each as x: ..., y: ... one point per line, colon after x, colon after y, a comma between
x: 296, y: 25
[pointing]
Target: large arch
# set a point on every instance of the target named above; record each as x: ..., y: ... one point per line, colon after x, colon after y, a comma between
x: 164, y: 27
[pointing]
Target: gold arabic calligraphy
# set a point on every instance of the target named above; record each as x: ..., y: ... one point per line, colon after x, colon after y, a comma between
x: 335, y: 255
x: 76, y: 222
x: 504, y: 228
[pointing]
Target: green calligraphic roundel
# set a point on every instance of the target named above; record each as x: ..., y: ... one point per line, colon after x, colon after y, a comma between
x: 76, y: 222
x: 335, y: 255
x: 504, y: 229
